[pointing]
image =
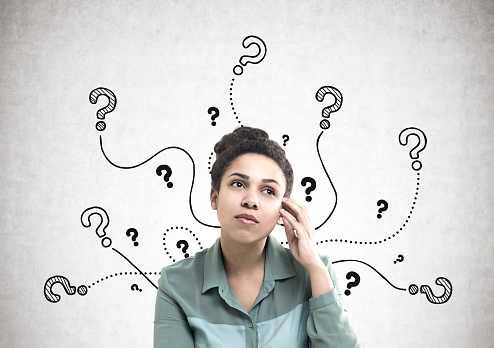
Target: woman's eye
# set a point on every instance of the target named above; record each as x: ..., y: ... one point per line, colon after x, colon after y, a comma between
x: 269, y: 191
x: 237, y: 184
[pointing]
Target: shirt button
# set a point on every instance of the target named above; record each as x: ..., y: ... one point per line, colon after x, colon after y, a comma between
x: 250, y: 325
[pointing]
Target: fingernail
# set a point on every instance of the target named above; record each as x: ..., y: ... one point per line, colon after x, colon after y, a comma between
x: 285, y: 198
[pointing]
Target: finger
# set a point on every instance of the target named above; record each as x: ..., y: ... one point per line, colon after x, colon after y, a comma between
x: 290, y: 232
x: 298, y: 210
x: 288, y: 227
x: 301, y: 230
x: 304, y: 210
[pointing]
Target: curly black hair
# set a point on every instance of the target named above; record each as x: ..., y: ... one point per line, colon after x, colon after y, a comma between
x: 248, y: 140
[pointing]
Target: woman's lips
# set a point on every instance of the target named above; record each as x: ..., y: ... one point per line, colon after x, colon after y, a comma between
x: 246, y: 221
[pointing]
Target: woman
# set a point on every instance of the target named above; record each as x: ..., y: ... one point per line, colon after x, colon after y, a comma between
x: 247, y: 290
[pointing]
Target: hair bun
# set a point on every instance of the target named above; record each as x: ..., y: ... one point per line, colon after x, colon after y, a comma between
x: 238, y: 135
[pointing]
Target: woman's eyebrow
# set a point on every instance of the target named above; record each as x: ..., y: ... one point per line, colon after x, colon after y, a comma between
x: 246, y: 177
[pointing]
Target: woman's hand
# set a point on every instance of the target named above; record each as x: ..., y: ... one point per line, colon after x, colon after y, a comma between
x: 300, y: 233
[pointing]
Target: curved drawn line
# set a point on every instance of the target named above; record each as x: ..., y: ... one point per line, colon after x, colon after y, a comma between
x: 142, y: 273
x: 156, y: 154
x: 323, y: 167
x: 397, y: 288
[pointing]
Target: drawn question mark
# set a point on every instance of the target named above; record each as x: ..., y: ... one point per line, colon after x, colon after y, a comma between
x: 134, y: 233
x: 255, y: 59
x: 425, y: 289
x: 213, y: 110
x: 353, y: 284
x: 285, y: 139
x: 112, y: 103
x: 168, y: 173
x: 309, y: 189
x: 399, y: 259
x: 69, y: 289
x: 135, y: 287
x: 326, y: 112
x: 185, y: 246
x: 105, y: 221
x: 383, y: 208
x: 414, y: 152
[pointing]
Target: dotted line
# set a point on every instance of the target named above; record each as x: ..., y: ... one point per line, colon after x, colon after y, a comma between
x: 231, y: 103
x: 385, y: 239
x: 176, y: 227
x: 121, y: 273
x: 209, y: 162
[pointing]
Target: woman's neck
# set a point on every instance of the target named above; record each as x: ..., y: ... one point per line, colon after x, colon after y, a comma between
x: 243, y: 259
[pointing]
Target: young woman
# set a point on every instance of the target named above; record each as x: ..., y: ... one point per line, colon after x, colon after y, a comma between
x: 247, y: 290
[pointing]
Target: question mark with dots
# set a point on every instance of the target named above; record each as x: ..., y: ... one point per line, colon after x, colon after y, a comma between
x: 112, y: 103
x: 168, y: 173
x: 326, y: 112
x: 185, y: 246
x: 105, y: 221
x: 69, y: 289
x: 255, y: 59
x: 285, y: 139
x: 135, y: 287
x: 422, y: 143
x: 383, y: 208
x: 353, y: 284
x: 309, y: 189
x: 399, y: 259
x: 425, y: 289
x: 134, y: 233
x: 213, y: 110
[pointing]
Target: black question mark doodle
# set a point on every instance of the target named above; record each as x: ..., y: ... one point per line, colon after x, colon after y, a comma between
x: 112, y: 103
x: 134, y: 233
x: 285, y: 139
x: 399, y: 259
x: 326, y: 112
x: 69, y: 289
x: 244, y: 60
x: 185, y: 246
x: 425, y: 289
x: 422, y: 143
x: 135, y: 287
x: 213, y: 110
x: 168, y: 173
x: 383, y: 209
x: 352, y: 284
x: 105, y: 221
x: 311, y: 187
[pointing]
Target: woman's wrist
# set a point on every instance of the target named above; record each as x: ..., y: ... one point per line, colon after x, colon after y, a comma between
x: 320, y: 280
x: 316, y: 266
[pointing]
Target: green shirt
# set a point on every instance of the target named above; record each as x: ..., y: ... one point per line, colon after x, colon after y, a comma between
x: 195, y: 306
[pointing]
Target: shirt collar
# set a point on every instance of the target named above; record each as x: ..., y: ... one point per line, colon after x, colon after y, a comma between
x: 277, y: 266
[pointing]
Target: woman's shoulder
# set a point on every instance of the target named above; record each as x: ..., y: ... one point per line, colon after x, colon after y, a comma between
x: 187, y: 265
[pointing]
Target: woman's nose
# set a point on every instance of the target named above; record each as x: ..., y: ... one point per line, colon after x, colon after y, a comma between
x: 250, y: 200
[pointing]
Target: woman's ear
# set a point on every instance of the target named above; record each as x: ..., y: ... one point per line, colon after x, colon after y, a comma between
x: 213, y: 196
x: 280, y: 220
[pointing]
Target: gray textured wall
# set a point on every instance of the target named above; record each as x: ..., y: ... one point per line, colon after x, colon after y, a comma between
x: 424, y: 64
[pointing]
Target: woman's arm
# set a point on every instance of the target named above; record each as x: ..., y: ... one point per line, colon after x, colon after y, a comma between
x: 328, y: 324
x: 171, y: 328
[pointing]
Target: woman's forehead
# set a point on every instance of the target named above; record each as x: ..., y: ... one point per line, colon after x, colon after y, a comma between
x: 256, y: 166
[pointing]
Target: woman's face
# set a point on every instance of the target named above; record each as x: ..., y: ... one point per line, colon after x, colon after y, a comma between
x: 249, y: 201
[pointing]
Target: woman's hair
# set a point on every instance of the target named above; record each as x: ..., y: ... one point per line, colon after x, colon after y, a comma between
x: 248, y: 140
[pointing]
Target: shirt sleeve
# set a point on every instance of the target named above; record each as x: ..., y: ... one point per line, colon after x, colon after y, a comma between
x: 328, y: 324
x: 171, y: 328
